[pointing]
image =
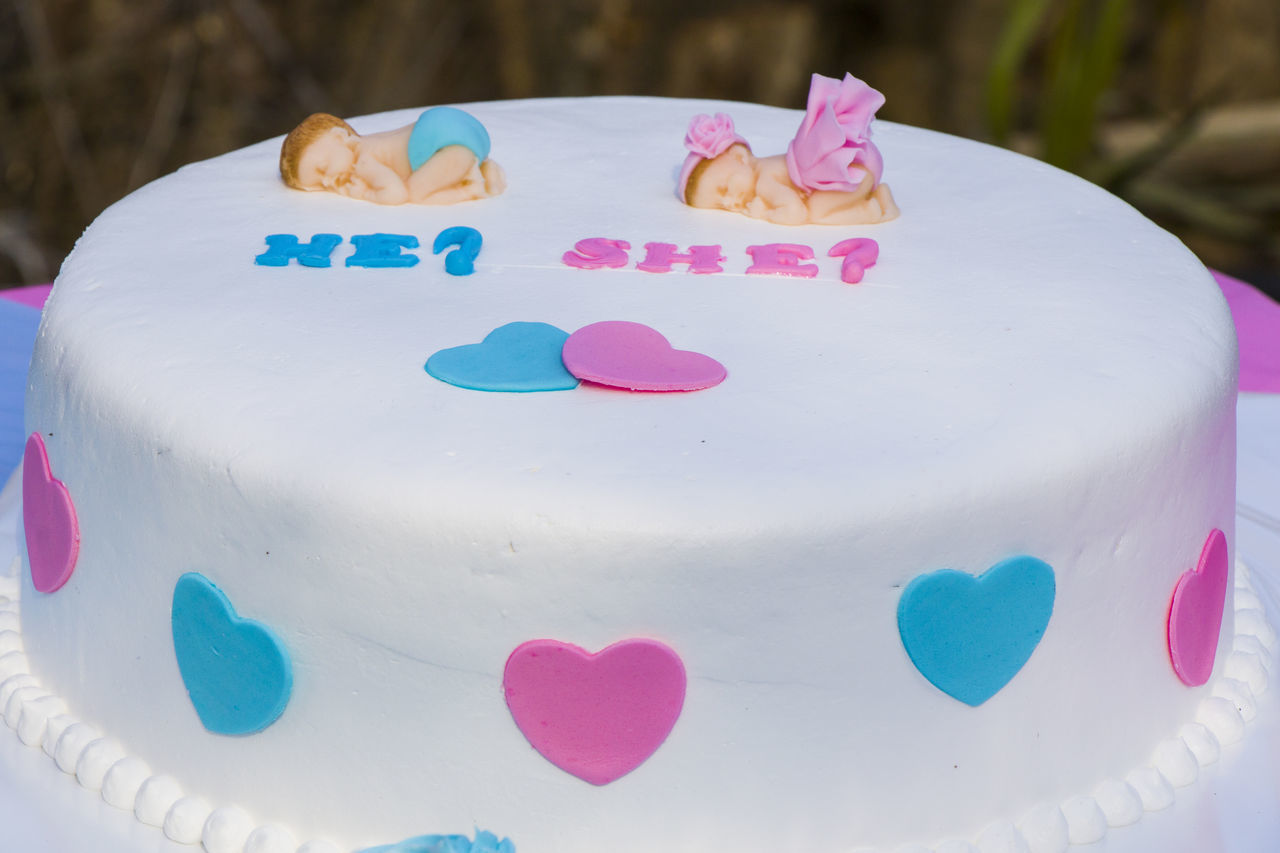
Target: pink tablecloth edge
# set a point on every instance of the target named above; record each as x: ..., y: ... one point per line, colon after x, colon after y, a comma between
x: 33, y: 295
x: 1257, y: 319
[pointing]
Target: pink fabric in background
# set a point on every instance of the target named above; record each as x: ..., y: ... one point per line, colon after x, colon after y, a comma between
x: 1257, y: 319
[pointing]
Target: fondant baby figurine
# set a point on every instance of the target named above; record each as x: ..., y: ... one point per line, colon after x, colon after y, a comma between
x: 442, y: 158
x: 830, y: 174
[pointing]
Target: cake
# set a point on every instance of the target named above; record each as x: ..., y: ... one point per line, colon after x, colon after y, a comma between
x: 941, y: 554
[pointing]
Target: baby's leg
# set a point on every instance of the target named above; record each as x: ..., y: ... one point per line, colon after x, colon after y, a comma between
x: 495, y: 180
x: 887, y: 204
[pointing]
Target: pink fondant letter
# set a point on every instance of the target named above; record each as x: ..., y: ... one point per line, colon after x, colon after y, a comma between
x: 596, y: 253
x: 859, y: 253
x: 658, y: 257
x: 781, y: 259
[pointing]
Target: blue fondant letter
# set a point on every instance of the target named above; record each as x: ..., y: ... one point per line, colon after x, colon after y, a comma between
x: 462, y: 260
x: 283, y: 247
x: 382, y: 250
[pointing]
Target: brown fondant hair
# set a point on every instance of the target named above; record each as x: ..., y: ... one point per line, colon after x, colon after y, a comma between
x: 311, y: 127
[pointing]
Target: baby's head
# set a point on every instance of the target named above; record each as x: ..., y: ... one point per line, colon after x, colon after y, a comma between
x: 720, y: 171
x: 724, y: 182
x: 317, y: 152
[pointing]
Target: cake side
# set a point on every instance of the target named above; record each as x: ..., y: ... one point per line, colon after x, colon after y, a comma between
x: 1030, y: 369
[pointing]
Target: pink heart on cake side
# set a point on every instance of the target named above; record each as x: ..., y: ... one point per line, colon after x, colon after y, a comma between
x: 1195, y: 614
x: 629, y: 355
x: 48, y: 520
x: 597, y: 716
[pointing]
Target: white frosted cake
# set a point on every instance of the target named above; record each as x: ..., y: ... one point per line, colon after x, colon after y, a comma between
x: 903, y: 572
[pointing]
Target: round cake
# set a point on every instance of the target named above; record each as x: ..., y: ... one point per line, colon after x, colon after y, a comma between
x: 913, y: 565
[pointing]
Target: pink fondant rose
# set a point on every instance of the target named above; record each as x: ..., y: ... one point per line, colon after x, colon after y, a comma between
x: 710, y: 136
x: 832, y: 150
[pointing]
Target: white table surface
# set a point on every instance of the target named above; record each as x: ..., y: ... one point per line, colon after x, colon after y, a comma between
x: 1234, y: 807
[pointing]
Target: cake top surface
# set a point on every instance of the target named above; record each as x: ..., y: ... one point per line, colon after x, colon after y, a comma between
x: 1015, y: 312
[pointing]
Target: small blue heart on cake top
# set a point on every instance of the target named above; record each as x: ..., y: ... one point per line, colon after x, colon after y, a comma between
x: 516, y: 357
x: 237, y: 671
x: 970, y: 635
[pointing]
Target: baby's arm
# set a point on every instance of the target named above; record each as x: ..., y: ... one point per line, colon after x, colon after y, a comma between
x: 450, y: 175
x: 777, y: 200
x: 374, y: 180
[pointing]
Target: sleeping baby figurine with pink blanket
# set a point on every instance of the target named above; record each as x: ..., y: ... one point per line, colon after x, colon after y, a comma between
x: 830, y: 174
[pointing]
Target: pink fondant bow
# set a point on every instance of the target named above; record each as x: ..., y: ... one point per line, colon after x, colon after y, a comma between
x: 707, y: 137
x: 832, y: 150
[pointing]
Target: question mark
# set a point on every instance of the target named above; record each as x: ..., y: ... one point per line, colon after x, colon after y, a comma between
x: 461, y: 261
x: 859, y: 253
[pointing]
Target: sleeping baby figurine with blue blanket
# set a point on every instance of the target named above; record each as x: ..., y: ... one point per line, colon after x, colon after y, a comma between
x: 442, y: 158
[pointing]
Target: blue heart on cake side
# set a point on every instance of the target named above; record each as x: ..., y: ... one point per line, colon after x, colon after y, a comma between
x: 236, y: 671
x: 969, y: 636
x: 516, y: 357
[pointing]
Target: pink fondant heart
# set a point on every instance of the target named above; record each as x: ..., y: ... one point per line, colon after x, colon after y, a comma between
x: 1195, y: 615
x: 597, y: 716
x: 633, y: 356
x: 48, y: 520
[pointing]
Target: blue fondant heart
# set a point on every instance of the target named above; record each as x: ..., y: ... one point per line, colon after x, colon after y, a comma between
x: 970, y: 635
x: 514, y: 357
x: 236, y: 670
x: 486, y: 842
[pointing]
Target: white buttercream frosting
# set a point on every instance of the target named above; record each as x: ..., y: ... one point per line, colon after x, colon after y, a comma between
x: 1222, y: 717
x: 956, y: 845
x: 185, y: 819
x: 1176, y: 763
x: 98, y: 758
x: 123, y: 780
x: 1044, y: 827
x: 156, y: 795
x: 227, y: 830
x: 71, y: 743
x: 271, y: 838
x: 1119, y: 801
x: 1002, y: 837
x: 319, y: 846
x: 1086, y: 822
x: 1153, y: 789
x: 1202, y: 743
x: 33, y: 720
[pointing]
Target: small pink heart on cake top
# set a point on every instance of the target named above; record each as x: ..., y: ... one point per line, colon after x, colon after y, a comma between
x: 597, y: 716
x: 48, y: 520
x: 1195, y: 614
x: 628, y: 355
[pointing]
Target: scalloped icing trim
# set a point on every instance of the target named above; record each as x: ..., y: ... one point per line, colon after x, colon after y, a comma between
x: 41, y: 720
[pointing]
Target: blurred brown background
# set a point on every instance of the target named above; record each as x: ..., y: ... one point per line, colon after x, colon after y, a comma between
x: 1172, y: 104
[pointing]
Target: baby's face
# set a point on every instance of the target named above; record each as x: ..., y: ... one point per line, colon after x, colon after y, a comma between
x: 328, y: 161
x: 728, y: 181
